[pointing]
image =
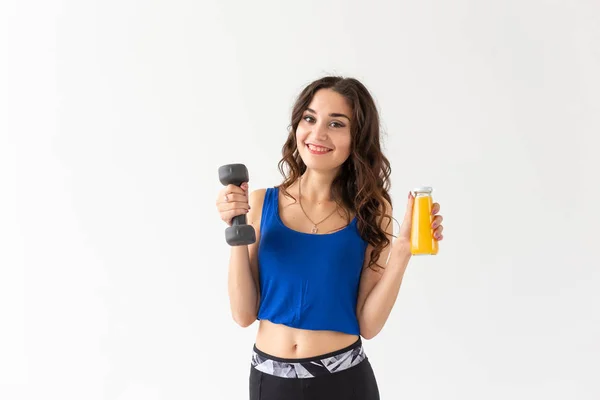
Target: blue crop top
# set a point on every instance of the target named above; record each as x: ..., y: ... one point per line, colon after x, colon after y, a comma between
x: 308, y: 281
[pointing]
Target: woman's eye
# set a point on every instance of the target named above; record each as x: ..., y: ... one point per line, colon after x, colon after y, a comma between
x: 334, y: 124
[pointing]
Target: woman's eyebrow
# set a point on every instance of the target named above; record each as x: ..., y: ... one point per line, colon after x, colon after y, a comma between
x: 335, y: 115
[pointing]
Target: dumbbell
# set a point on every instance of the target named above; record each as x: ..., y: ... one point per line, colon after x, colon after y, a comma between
x: 239, y: 233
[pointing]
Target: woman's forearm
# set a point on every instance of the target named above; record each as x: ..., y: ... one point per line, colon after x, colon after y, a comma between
x: 243, y: 293
x: 381, y: 299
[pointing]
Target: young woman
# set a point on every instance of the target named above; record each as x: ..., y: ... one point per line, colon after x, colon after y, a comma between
x: 324, y: 271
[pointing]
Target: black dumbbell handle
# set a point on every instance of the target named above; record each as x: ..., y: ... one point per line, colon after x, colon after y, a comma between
x: 239, y: 220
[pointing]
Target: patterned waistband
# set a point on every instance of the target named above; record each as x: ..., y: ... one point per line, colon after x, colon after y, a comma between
x: 309, y: 367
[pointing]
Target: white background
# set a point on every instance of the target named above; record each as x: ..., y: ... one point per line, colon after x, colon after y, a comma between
x: 115, y: 116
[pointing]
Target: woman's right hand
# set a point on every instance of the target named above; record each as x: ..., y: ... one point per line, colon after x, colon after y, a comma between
x: 233, y: 201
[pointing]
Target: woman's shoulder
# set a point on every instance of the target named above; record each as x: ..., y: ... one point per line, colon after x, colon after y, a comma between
x: 256, y: 200
x: 262, y: 202
x: 257, y: 196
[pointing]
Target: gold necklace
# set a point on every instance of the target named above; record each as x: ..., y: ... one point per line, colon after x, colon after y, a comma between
x: 314, y: 228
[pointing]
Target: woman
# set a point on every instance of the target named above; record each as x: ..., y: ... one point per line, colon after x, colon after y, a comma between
x: 323, y: 272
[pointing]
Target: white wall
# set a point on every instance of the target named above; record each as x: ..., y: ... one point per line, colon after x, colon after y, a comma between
x: 116, y: 115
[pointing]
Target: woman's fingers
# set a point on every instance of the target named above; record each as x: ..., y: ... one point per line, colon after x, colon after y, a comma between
x: 228, y: 191
x: 437, y: 221
x: 234, y: 198
x: 227, y: 216
x: 438, y: 231
x: 232, y: 201
x: 233, y: 205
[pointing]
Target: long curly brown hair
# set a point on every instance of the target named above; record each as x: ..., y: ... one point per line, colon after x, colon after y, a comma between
x: 362, y: 183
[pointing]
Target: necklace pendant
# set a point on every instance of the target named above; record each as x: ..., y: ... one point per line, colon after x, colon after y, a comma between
x: 314, y: 229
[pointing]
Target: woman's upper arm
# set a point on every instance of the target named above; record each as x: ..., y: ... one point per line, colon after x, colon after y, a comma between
x: 253, y: 217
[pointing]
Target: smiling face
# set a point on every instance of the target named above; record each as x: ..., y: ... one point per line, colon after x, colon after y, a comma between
x: 323, y: 135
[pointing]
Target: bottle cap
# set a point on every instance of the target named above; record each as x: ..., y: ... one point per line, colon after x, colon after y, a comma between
x: 423, y: 189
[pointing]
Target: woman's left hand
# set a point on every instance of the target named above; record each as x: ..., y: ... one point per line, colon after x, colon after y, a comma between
x: 403, y: 240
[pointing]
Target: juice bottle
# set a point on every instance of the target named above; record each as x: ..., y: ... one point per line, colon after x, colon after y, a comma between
x: 422, y: 241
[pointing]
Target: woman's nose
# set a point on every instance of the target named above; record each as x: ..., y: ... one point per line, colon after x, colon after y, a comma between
x: 320, y: 131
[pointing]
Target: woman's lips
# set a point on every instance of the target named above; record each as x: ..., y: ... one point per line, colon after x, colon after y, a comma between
x: 314, y: 149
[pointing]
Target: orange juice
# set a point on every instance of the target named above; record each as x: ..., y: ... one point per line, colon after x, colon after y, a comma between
x: 422, y: 241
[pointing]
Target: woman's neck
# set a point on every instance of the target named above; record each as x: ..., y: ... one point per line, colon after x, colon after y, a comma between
x: 316, y: 186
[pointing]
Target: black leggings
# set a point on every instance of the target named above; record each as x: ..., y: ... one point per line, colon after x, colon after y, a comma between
x: 348, y: 375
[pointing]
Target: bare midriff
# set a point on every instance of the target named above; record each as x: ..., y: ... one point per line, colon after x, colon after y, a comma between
x: 286, y: 342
